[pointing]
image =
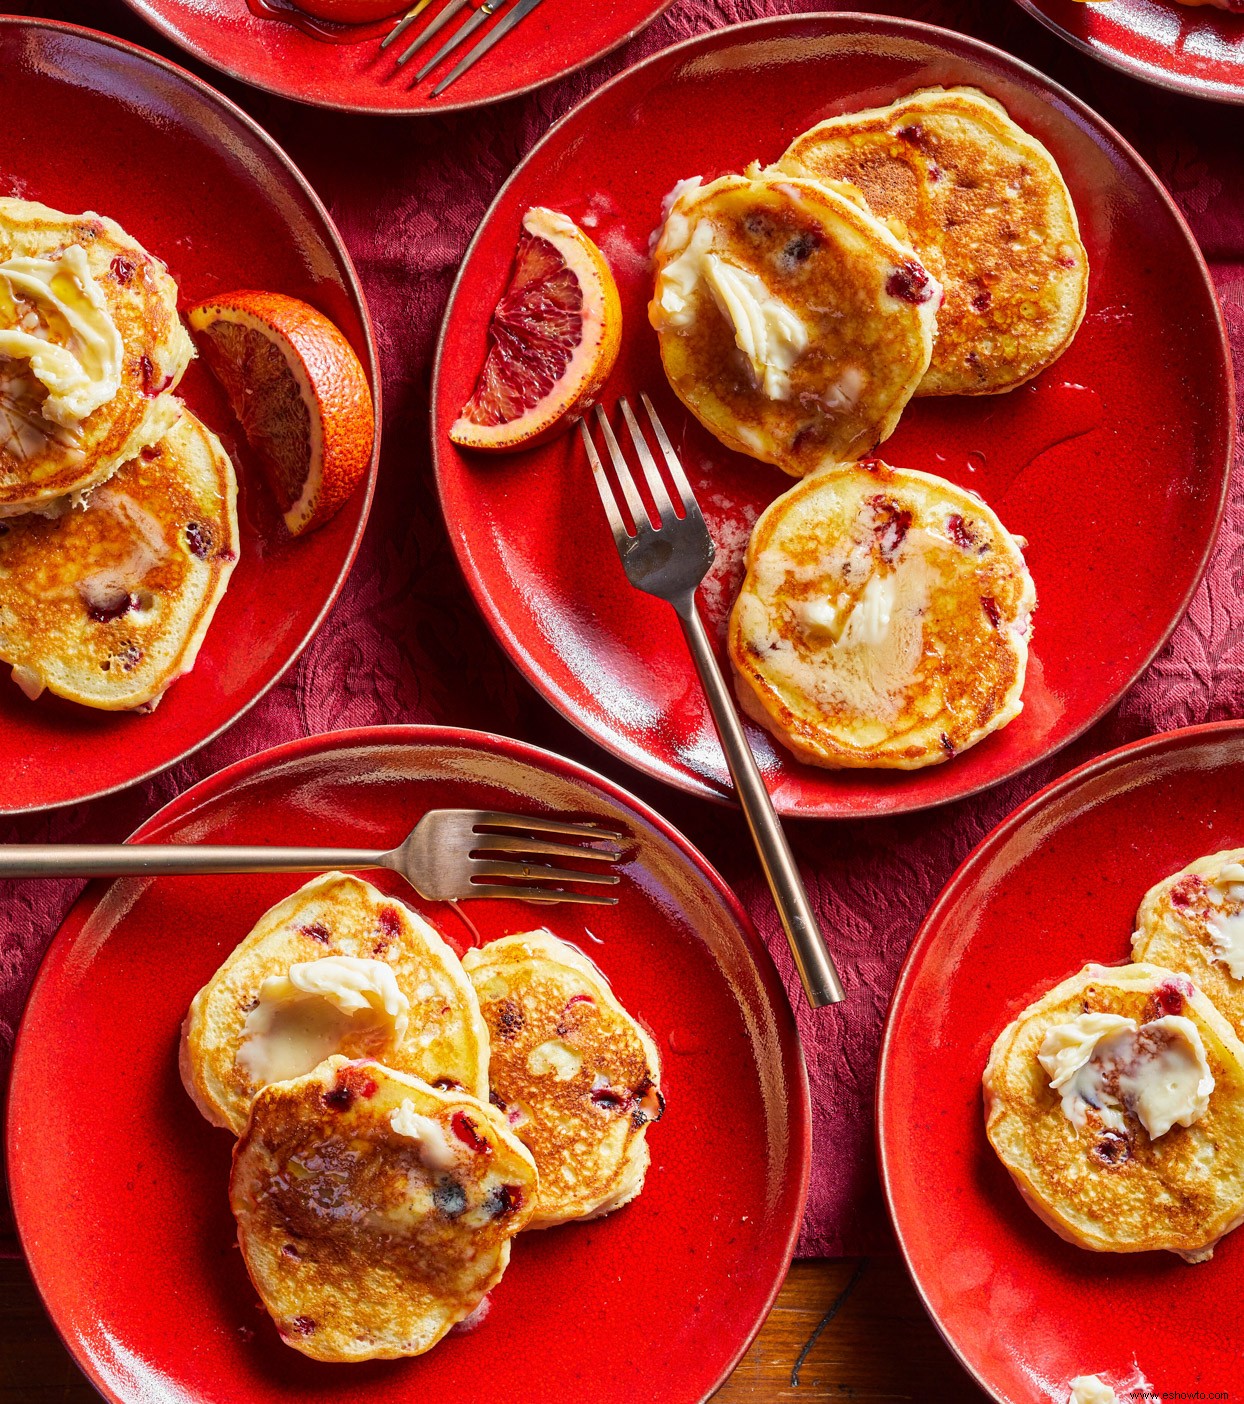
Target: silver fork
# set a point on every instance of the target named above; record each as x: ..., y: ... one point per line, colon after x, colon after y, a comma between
x: 450, y: 854
x: 513, y: 17
x: 669, y: 561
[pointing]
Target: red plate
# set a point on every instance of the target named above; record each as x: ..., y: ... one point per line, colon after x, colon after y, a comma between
x: 1113, y: 464
x: 1054, y: 886
x: 268, y: 43
x: 92, y: 123
x: 118, y: 1184
x: 1193, y: 49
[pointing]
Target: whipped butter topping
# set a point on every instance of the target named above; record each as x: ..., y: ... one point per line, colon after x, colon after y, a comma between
x: 53, y: 316
x: 680, y: 277
x: 864, y: 644
x: 1157, y: 1071
x: 862, y: 622
x: 1226, y: 929
x: 675, y: 226
x: 302, y: 1017
x: 1091, y: 1389
x: 768, y: 332
x: 435, y: 1150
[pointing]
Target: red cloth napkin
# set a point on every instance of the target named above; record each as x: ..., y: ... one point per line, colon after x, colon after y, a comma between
x: 404, y: 642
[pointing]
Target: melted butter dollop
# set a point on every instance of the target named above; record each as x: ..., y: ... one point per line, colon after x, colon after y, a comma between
x: 680, y: 277
x: 54, y: 317
x: 304, y: 1016
x: 1091, y: 1389
x: 1158, y: 1071
x: 429, y: 1135
x: 1226, y: 929
x: 768, y: 332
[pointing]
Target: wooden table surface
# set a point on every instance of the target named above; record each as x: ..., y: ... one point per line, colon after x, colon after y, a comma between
x: 841, y: 1330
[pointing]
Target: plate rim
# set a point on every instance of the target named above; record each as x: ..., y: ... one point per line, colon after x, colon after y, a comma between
x: 1205, y: 89
x: 537, y: 676
x: 1156, y: 743
x: 354, y: 288
x: 415, y: 735
x: 428, y: 108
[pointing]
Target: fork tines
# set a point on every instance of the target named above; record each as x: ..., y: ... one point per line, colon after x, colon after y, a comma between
x: 516, y: 842
x: 661, y: 499
x: 667, y: 558
x: 405, y: 22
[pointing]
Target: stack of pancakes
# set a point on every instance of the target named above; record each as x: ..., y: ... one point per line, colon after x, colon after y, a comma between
x: 926, y: 248
x: 1112, y: 1160
x: 402, y: 1115
x: 118, y: 522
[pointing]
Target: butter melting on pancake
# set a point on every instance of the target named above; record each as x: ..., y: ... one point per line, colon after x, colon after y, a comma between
x: 337, y: 967
x: 883, y: 619
x: 108, y: 606
x: 1116, y: 1101
x: 986, y: 209
x: 374, y: 1212
x: 90, y: 345
x: 792, y: 323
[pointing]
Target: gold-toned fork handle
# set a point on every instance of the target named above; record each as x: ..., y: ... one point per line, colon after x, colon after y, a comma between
x: 803, y: 932
x: 37, y: 860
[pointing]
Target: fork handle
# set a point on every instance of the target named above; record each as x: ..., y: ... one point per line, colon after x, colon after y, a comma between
x: 803, y: 932
x: 35, y: 860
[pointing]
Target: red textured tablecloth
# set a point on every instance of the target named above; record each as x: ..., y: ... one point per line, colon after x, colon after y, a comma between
x: 405, y: 643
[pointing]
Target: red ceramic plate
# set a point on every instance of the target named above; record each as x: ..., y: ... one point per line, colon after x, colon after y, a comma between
x: 268, y: 43
x: 1193, y: 49
x: 1053, y: 887
x: 1113, y: 463
x: 91, y: 123
x: 119, y: 1185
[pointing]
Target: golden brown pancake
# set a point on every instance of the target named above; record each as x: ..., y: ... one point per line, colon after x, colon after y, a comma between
x: 337, y: 967
x: 1194, y: 921
x: 107, y: 605
x: 574, y: 1074
x: 373, y: 1211
x: 792, y: 323
x: 1141, y: 1145
x: 42, y: 460
x: 986, y: 209
x: 883, y: 621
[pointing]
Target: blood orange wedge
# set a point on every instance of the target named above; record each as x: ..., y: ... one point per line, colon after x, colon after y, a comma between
x: 300, y: 394
x: 552, y: 341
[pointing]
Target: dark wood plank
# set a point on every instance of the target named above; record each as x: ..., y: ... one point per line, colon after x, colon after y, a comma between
x: 34, y: 1367
x: 844, y: 1329
x: 841, y: 1329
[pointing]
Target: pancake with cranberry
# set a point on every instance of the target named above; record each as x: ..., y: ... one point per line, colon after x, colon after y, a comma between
x: 883, y: 620
x: 792, y: 324
x: 1194, y: 921
x: 108, y: 606
x: 1116, y: 1101
x: 375, y: 1212
x: 336, y: 968
x: 90, y: 344
x: 576, y: 1077
x: 987, y: 211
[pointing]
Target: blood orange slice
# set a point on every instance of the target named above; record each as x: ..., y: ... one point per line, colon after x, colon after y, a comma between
x: 300, y: 394
x: 552, y: 341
